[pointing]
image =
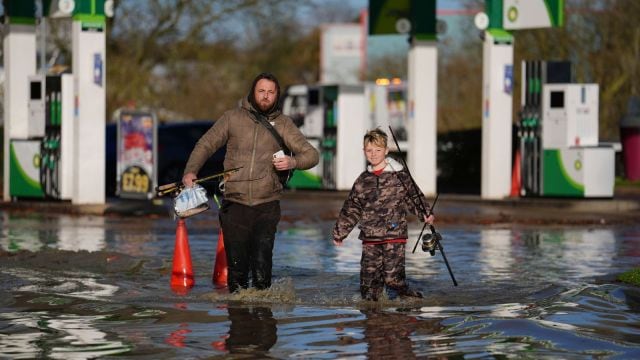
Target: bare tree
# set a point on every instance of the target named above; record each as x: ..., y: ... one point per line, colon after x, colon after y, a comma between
x: 196, y: 58
x: 460, y: 77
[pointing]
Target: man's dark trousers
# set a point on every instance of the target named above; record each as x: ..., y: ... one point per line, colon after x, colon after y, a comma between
x: 249, y: 234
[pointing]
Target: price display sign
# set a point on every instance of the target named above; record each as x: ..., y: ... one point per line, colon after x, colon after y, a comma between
x: 137, y: 154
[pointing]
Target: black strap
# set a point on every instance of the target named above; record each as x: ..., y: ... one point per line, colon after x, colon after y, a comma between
x: 283, y: 175
x: 263, y: 120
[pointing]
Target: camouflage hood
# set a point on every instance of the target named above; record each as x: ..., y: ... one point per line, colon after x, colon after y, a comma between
x: 392, y: 165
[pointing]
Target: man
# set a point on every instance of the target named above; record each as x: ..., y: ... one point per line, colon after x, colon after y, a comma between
x: 251, y: 209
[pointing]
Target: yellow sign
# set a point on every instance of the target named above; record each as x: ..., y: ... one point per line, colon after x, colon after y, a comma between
x: 135, y: 180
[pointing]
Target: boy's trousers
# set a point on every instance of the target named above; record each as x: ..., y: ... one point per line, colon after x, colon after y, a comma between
x: 382, y: 264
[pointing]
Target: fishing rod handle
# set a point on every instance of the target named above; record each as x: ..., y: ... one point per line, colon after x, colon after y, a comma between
x: 178, y: 185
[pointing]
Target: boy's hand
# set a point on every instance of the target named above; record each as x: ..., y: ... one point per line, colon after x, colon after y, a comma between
x: 429, y: 220
x: 337, y: 242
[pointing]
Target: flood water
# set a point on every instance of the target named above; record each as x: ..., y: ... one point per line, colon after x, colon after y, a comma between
x: 77, y: 287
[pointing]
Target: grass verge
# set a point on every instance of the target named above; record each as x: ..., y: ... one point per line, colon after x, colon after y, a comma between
x: 631, y: 277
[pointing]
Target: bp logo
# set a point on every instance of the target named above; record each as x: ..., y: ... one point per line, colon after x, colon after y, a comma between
x: 403, y: 26
x: 512, y: 14
x: 36, y: 161
x: 577, y: 165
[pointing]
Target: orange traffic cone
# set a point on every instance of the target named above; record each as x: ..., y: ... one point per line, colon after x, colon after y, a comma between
x: 515, y: 176
x: 182, y: 275
x: 220, y: 270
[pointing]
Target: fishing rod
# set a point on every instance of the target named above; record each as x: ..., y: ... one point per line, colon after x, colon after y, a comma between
x: 429, y: 241
x: 424, y: 227
x: 176, y: 187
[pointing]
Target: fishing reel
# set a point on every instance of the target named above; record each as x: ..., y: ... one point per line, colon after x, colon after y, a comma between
x: 430, y: 242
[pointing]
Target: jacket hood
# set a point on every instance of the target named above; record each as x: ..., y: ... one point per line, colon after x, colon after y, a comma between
x: 245, y: 104
x: 392, y: 165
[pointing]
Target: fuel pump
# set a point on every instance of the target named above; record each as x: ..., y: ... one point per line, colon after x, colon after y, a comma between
x: 58, y: 121
x: 558, y: 135
x: 535, y: 75
x: 39, y: 168
x: 528, y: 126
x: 333, y: 119
x: 50, y: 145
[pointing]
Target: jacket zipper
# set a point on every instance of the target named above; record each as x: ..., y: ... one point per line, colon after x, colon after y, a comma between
x: 253, y: 159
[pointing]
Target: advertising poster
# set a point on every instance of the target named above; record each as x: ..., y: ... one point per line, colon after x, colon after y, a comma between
x: 137, y: 154
x: 341, y: 54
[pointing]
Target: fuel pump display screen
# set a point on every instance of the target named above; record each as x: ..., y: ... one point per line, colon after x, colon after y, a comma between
x: 35, y: 90
x: 557, y: 99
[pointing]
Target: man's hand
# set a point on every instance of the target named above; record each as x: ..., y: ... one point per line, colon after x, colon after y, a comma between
x: 429, y: 220
x: 284, y: 163
x: 188, y: 178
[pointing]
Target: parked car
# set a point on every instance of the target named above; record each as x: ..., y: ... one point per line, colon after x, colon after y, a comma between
x: 175, y: 143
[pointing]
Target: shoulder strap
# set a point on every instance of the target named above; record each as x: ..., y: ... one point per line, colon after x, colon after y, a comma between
x: 283, y: 175
x: 264, y: 122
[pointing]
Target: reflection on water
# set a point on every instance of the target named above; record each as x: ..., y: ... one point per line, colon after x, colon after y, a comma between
x: 65, y: 233
x: 81, y: 233
x: 256, y: 339
x: 53, y: 336
x: 67, y: 283
x: 177, y: 337
x: 588, y: 253
x: 26, y: 233
x: 594, y: 321
x: 560, y: 326
x: 391, y: 335
x: 500, y: 310
x: 553, y: 255
x: 95, y: 287
x: 496, y: 256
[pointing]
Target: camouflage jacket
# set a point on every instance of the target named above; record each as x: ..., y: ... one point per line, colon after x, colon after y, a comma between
x: 378, y: 204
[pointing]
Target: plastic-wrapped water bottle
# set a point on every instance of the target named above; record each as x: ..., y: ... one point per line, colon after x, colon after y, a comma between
x: 191, y: 201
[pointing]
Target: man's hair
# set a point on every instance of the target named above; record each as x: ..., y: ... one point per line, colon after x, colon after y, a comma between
x: 376, y: 137
x: 251, y: 97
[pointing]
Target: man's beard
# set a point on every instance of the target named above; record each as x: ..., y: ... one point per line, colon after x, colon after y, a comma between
x: 265, y: 106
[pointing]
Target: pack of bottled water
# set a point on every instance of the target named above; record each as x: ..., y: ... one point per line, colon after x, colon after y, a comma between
x: 191, y: 201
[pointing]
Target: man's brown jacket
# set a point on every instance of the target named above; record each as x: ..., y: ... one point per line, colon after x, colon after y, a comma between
x: 251, y: 146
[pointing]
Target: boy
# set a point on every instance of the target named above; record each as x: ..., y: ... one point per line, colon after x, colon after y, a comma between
x: 378, y: 202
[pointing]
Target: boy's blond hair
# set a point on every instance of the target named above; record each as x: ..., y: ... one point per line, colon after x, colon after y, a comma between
x: 376, y: 137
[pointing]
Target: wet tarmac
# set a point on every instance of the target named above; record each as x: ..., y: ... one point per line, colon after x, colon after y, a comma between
x: 536, y: 279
